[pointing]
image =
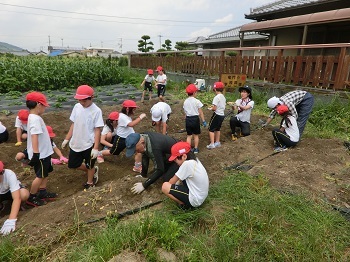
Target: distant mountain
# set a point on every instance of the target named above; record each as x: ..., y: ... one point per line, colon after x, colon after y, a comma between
x: 5, y: 47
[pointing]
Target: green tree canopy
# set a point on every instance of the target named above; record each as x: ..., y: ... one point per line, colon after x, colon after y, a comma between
x: 144, y: 44
x: 182, y: 46
x: 167, y: 45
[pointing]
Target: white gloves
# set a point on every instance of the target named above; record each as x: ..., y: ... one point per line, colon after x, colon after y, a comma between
x: 137, y: 188
x: 8, y: 226
x: 142, y: 116
x: 94, y: 153
x: 64, y: 143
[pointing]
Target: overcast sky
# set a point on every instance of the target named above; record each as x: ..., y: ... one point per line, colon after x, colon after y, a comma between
x: 118, y: 24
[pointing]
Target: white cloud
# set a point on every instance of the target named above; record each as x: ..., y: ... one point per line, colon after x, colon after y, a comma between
x: 206, y: 31
x: 224, y: 19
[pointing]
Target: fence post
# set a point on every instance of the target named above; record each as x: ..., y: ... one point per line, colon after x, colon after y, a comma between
x: 278, y: 66
x: 338, y: 75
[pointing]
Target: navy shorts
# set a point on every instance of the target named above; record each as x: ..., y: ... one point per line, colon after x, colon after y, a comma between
x: 193, y: 126
x: 76, y: 159
x: 160, y: 90
x: 148, y: 86
x: 118, y: 145
x: 44, y: 167
x: 215, y: 122
x: 181, y: 192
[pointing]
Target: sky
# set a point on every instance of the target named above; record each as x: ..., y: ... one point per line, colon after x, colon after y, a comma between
x: 36, y: 24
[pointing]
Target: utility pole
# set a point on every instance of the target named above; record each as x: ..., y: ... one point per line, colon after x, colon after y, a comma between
x: 49, y: 41
x: 160, y: 41
x: 62, y: 41
x: 120, y: 45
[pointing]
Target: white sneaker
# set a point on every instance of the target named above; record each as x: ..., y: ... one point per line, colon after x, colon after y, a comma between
x: 217, y: 144
x: 211, y: 146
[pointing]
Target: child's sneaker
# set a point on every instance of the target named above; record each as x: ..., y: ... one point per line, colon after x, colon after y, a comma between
x: 137, y: 169
x: 88, y: 186
x: 211, y: 146
x: 195, y: 150
x: 217, y: 144
x: 47, y: 196
x: 95, y: 179
x: 234, y: 137
x: 279, y: 149
x: 35, y: 201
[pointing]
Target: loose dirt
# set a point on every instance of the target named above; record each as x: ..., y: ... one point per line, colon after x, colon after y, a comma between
x: 317, y: 167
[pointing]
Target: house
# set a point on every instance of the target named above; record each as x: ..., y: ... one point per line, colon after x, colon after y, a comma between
x: 101, y: 52
x: 300, y: 22
x: 40, y: 53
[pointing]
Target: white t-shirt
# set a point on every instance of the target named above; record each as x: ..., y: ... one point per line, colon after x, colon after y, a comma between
x: 106, y: 130
x: 244, y: 115
x: 164, y: 107
x: 149, y: 78
x: 196, y: 179
x: 160, y: 78
x: 2, y: 128
x: 292, y: 130
x: 123, y: 130
x: 36, y: 126
x: 85, y: 121
x: 9, y: 182
x: 20, y: 124
x: 220, y: 102
x: 191, y: 106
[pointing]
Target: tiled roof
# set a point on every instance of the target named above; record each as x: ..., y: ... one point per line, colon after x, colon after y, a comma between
x: 280, y: 5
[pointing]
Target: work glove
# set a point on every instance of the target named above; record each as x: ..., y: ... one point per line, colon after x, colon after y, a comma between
x: 18, y: 143
x: 63, y: 160
x: 204, y: 124
x: 55, y: 161
x: 142, y: 116
x: 8, y: 226
x: 262, y: 123
x: 137, y: 188
x: 35, y: 159
x: 231, y: 103
x: 64, y: 143
x: 94, y: 153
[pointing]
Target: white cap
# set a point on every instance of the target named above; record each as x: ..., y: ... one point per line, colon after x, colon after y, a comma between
x: 156, y: 114
x: 273, y: 101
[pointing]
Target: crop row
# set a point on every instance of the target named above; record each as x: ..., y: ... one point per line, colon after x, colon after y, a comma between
x: 56, y: 73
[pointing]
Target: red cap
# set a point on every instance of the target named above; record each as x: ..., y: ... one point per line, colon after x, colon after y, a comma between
x: 1, y: 166
x: 150, y: 71
x: 218, y: 85
x: 83, y: 92
x: 191, y: 88
x: 129, y: 103
x: 179, y: 149
x: 114, y: 116
x: 23, y: 115
x: 37, y: 97
x: 50, y: 130
x: 159, y: 68
x: 281, y: 109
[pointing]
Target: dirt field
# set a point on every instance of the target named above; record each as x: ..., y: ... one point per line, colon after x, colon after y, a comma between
x: 318, y: 167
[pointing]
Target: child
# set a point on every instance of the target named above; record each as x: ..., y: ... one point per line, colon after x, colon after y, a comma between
x: 11, y: 189
x: 288, y: 134
x: 160, y: 114
x: 23, y: 156
x: 39, y: 149
x: 194, y: 177
x: 21, y: 126
x: 62, y: 159
x: 125, y: 128
x: 4, y: 134
x: 244, y: 107
x: 147, y: 84
x: 193, y: 111
x: 84, y: 135
x: 108, y: 133
x: 161, y: 83
x: 218, y: 106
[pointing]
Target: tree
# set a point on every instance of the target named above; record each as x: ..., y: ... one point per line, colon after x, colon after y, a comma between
x: 167, y: 45
x: 144, y: 45
x: 183, y: 46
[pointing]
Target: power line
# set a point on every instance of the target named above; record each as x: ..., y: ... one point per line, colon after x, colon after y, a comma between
x: 111, y: 16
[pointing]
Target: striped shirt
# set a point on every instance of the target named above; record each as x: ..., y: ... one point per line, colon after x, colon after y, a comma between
x: 291, y: 99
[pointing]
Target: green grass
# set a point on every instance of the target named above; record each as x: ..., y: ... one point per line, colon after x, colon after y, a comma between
x: 243, y: 219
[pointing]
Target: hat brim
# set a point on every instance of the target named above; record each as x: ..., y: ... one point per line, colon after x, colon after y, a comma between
x: 156, y: 118
x: 81, y: 97
x: 52, y: 134
x: 172, y: 158
x: 130, y: 151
